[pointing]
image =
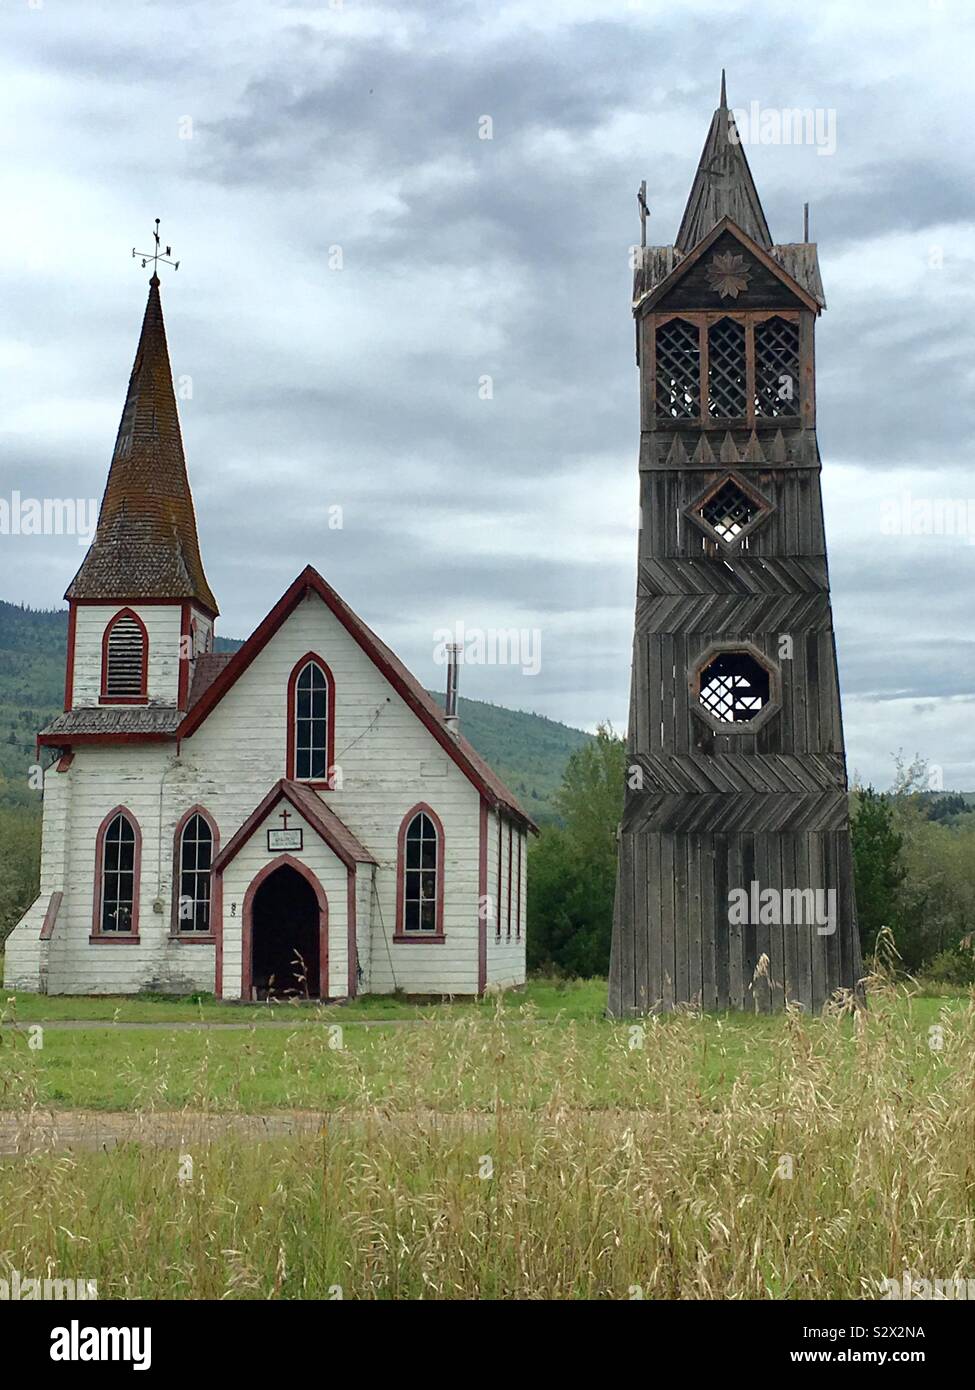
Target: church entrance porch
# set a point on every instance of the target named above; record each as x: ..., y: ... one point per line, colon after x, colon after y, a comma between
x: 285, y: 945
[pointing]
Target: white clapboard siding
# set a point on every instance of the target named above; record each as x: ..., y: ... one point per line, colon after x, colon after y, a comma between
x: 327, y: 868
x: 389, y: 763
x: 163, y: 624
x: 506, y: 957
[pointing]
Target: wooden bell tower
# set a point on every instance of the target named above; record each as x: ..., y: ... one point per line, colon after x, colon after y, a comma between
x: 735, y: 883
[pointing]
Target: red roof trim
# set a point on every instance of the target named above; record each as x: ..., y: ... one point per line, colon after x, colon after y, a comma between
x: 310, y: 581
x: 173, y: 602
x: 317, y: 818
x: 70, y: 740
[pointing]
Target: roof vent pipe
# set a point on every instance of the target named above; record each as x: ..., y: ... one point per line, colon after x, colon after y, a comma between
x: 451, y: 717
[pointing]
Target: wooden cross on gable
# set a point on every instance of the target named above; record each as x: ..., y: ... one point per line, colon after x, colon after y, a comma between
x: 641, y: 198
x: 285, y: 817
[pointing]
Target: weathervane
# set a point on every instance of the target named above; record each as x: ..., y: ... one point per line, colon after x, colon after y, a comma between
x: 157, y: 255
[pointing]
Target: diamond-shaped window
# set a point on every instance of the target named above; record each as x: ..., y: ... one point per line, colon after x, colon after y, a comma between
x: 729, y: 511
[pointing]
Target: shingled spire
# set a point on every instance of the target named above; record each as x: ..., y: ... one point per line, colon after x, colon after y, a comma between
x: 146, y: 544
x: 723, y: 186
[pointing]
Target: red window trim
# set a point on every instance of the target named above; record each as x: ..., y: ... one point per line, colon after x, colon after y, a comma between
x: 143, y: 697
x: 511, y: 865
x: 518, y: 903
x: 296, y: 670
x: 497, y: 905
x: 482, y: 897
x: 69, y: 667
x: 187, y: 653
x: 192, y: 938
x: 99, y: 887
x: 399, y: 934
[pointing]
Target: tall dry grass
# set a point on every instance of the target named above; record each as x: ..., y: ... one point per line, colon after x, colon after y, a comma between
x: 796, y: 1158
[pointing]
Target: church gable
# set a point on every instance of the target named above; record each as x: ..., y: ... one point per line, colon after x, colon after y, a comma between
x: 367, y: 702
x: 728, y: 274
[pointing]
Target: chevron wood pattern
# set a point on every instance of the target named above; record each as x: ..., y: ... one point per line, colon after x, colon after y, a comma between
x: 740, y: 798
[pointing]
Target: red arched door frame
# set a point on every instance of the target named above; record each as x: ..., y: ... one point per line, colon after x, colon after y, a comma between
x: 247, y: 956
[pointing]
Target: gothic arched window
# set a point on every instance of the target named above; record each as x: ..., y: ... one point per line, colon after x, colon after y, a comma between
x: 125, y: 659
x: 311, y: 720
x: 117, y: 855
x: 420, y: 874
x: 195, y: 848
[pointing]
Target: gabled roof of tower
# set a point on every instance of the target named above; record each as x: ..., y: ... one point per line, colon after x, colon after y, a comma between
x: 146, y: 544
x: 723, y: 186
x: 657, y: 272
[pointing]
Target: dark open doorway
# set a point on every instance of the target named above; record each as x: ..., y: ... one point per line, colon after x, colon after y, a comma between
x: 285, y: 934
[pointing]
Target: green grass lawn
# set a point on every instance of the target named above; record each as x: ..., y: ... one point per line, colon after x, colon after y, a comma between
x: 563, y: 999
x: 547, y: 1045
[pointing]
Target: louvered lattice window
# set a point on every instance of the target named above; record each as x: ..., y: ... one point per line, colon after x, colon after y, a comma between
x: 729, y: 510
x: 678, y: 370
x: 125, y: 659
x: 734, y: 687
x: 727, y: 392
x: 776, y: 367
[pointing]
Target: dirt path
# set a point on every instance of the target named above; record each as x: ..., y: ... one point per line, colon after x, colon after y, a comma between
x: 23, y: 1133
x: 59, y: 1131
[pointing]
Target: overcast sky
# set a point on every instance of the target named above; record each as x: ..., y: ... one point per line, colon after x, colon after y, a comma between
x: 268, y: 134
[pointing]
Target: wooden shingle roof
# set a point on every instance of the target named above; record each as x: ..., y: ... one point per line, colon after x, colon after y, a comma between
x: 723, y: 186
x: 146, y: 544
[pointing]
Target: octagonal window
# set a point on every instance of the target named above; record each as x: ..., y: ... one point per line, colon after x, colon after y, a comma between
x: 734, y: 687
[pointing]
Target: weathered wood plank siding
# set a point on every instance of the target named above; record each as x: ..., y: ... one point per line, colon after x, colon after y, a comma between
x: 713, y: 807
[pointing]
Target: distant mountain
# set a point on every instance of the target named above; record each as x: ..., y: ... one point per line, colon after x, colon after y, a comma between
x: 527, y: 750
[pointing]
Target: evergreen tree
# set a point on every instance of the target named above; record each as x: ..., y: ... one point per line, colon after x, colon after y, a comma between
x: 878, y: 868
x: 572, y: 867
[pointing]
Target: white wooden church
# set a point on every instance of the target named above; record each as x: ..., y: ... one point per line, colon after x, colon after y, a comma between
x: 296, y: 819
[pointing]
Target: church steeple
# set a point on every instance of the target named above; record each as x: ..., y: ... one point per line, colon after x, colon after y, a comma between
x: 146, y: 544
x: 736, y: 780
x: 723, y: 186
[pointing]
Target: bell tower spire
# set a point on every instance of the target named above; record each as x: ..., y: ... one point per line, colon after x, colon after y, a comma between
x: 723, y: 185
x: 146, y: 543
x: 140, y: 606
x: 735, y: 885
